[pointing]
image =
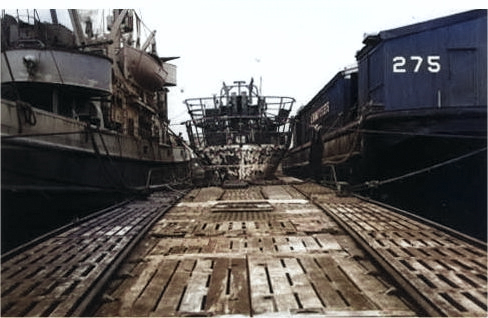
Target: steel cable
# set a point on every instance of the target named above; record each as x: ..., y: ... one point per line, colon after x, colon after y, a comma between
x: 376, y: 183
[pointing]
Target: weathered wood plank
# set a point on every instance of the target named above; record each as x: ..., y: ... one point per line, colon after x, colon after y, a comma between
x: 321, y: 283
x: 354, y: 298
x: 217, y: 287
x: 284, y: 296
x: 27, y: 307
x: 287, y: 260
x: 141, y: 277
x: 303, y: 290
x: 370, y: 286
x: 327, y: 241
x: 262, y: 296
x: 150, y: 287
x: 228, y: 291
x: 194, y: 298
x: 239, y: 298
x: 169, y: 303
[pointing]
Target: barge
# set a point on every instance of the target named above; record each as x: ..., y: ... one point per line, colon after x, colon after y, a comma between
x: 409, y: 121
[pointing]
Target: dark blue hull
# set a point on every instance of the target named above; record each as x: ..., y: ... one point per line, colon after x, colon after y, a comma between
x: 432, y: 162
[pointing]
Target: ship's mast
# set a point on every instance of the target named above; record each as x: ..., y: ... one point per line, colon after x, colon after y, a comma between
x: 54, y: 16
x: 239, y: 84
x: 77, y: 29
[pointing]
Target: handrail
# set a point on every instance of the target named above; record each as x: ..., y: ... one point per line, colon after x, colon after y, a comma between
x: 171, y: 180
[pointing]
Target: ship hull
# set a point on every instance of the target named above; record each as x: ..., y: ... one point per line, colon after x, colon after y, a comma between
x: 47, y: 186
x: 29, y: 166
x: 405, y: 141
x: 240, y: 135
x: 387, y: 144
x: 59, y: 154
x: 59, y: 170
x: 247, y: 162
x: 436, y: 156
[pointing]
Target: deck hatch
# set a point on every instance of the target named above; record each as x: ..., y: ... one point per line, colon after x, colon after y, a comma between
x: 242, y: 206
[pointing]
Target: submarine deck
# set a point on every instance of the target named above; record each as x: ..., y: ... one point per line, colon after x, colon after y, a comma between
x: 288, y: 249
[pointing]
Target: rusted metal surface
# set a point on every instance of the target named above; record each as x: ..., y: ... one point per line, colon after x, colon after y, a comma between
x: 264, y: 250
x: 62, y: 274
x: 239, y: 134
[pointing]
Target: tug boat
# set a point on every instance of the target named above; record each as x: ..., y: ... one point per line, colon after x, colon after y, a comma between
x: 85, y: 109
x: 239, y: 135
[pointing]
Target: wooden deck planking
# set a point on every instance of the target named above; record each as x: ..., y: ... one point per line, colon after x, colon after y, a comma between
x: 250, y: 260
x: 422, y: 256
x: 262, y: 293
x: 375, y: 290
x: 194, y: 298
x: 170, y: 302
x: 246, y: 252
x: 322, y: 284
x: 58, y: 275
x: 228, y: 290
x: 282, y: 290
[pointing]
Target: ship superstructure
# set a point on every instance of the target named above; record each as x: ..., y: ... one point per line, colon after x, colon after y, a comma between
x: 85, y: 108
x: 239, y: 134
